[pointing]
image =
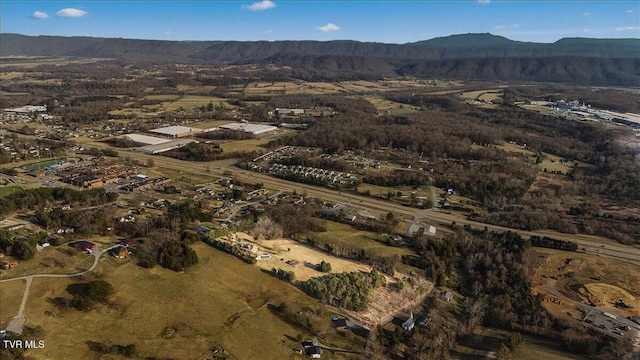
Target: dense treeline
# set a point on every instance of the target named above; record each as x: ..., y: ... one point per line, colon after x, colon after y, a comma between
x: 230, y: 249
x: 176, y: 255
x: 40, y: 197
x: 209, y: 152
x: 283, y: 274
x: 346, y: 290
x: 397, y: 178
x: 294, y: 220
x: 549, y: 242
x: 20, y: 247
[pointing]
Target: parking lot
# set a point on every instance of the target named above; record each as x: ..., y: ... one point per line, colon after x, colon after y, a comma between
x: 613, y: 325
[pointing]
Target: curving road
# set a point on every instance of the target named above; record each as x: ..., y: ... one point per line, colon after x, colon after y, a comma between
x: 17, y: 322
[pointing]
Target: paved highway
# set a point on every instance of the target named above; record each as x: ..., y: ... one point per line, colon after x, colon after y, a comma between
x: 432, y: 216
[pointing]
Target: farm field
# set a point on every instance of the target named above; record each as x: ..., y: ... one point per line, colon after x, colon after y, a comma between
x: 483, y: 95
x: 389, y: 107
x: 220, y: 310
x: 189, y: 102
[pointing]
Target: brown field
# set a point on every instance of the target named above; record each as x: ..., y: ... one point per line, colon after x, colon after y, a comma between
x: 284, y: 250
x: 213, y: 303
x: 244, y: 145
x: 189, y: 102
x: 515, y: 148
x: 486, y: 95
x: 10, y: 298
x: 390, y: 107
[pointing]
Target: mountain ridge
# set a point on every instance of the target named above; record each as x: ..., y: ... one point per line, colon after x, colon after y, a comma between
x: 458, y: 57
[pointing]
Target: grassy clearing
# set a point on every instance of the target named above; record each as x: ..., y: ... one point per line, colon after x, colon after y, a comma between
x: 8, y: 190
x: 202, y: 303
x: 514, y: 148
x: 11, y: 75
x: 193, y: 101
x: 485, y: 95
x: 162, y: 97
x: 389, y: 107
x: 210, y: 124
x: 486, y: 343
x: 343, y: 235
x: 61, y: 259
x: 10, y: 298
x: 244, y: 145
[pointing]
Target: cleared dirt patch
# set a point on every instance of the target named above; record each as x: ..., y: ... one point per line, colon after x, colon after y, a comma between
x: 609, y: 294
x: 285, y: 250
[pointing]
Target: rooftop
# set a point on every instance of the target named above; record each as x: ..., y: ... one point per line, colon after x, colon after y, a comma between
x: 175, y: 130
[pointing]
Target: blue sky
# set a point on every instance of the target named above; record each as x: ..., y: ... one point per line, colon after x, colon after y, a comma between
x: 379, y: 21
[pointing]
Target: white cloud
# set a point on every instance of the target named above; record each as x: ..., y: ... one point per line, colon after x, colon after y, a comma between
x: 168, y: 32
x: 586, y: 30
x: 586, y: 13
x: 629, y: 11
x: 484, y: 1
x: 71, y: 12
x: 627, y: 28
x: 328, y: 27
x: 39, y: 15
x: 502, y: 27
x: 260, y: 5
x: 268, y: 31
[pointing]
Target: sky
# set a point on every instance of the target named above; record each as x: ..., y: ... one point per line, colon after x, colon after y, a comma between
x: 375, y: 21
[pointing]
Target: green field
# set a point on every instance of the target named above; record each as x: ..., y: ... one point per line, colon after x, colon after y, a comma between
x: 343, y: 235
x: 8, y: 190
x: 244, y: 145
x: 207, y: 304
x: 42, y: 164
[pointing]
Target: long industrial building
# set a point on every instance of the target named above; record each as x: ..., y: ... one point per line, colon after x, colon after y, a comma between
x: 165, y: 146
x: 255, y: 129
x: 177, y: 131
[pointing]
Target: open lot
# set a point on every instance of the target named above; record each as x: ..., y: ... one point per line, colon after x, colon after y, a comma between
x: 216, y: 306
x: 486, y: 342
x: 345, y: 237
x: 61, y: 259
x: 284, y: 250
x: 244, y: 145
x: 10, y: 299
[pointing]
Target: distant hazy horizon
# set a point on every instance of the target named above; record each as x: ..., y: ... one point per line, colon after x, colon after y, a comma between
x: 370, y: 21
